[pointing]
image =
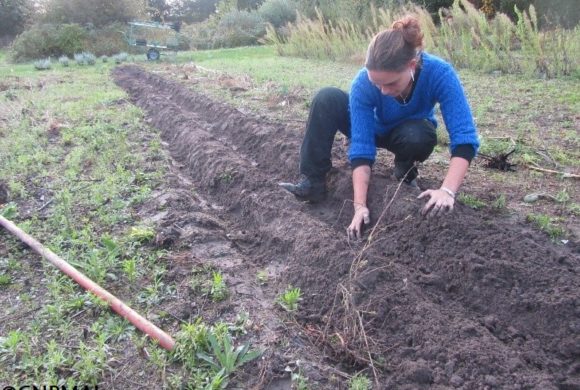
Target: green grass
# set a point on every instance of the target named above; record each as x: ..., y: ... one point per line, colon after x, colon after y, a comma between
x: 471, y: 201
x: 70, y: 136
x: 547, y: 224
x: 262, y: 64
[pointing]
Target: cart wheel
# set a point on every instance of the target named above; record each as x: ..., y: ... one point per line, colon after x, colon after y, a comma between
x: 153, y: 54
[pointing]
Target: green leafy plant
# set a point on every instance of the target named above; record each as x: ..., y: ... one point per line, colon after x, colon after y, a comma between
x: 91, y: 362
x: 562, y: 196
x: 227, y: 176
x: 10, y: 342
x: 359, y: 382
x: 262, y: 277
x: 9, y: 211
x: 5, y: 280
x: 141, y: 234
x: 227, y: 358
x: 241, y: 324
x: 218, y: 290
x: 289, y: 299
x: 130, y: 269
x: 299, y: 381
x: 500, y: 202
x: 219, y: 380
x: 191, y: 339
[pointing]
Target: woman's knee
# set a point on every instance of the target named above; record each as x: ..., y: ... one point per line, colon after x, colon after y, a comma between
x: 332, y: 96
x: 414, y: 132
x: 413, y: 140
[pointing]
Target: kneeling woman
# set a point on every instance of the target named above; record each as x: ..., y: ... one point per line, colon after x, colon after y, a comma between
x: 390, y: 105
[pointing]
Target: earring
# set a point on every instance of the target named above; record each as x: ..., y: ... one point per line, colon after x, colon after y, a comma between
x: 412, y: 75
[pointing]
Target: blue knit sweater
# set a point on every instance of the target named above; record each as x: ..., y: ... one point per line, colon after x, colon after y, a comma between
x: 374, y: 114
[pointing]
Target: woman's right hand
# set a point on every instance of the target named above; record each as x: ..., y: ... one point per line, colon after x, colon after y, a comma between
x: 362, y: 216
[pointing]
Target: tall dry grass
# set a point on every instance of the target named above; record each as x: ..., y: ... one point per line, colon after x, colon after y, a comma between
x: 465, y: 36
x: 344, y: 40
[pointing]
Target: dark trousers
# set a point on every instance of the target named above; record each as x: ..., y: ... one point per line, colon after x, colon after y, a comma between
x: 411, y: 141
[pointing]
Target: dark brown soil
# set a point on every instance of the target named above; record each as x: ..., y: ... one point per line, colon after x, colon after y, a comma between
x: 469, y: 300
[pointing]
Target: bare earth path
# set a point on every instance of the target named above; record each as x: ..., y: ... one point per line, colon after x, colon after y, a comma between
x: 469, y: 300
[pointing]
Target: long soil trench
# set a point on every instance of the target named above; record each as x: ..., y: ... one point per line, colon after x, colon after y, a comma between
x: 468, y: 300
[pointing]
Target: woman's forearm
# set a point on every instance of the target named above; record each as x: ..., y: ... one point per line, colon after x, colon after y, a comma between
x: 361, y: 177
x: 455, y: 174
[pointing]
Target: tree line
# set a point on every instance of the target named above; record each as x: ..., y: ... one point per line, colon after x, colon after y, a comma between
x: 18, y: 15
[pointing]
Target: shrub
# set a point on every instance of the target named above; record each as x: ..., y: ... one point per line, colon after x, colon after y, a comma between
x: 33, y: 43
x: 63, y: 60
x: 98, y: 13
x: 13, y: 16
x: 201, y: 35
x: 67, y: 39
x: 120, y: 57
x: 278, y: 12
x: 85, y: 58
x: 48, y: 40
x: 107, y: 40
x: 239, y: 28
x: 70, y: 38
x: 43, y: 64
x: 90, y: 59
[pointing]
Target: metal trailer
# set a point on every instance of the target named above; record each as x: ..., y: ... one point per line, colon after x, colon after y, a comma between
x: 154, y: 36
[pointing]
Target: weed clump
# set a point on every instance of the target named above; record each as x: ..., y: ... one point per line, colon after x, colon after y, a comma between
x: 141, y: 234
x: 546, y: 224
x: 471, y: 201
x: 359, y: 382
x: 209, y: 354
x: 219, y: 290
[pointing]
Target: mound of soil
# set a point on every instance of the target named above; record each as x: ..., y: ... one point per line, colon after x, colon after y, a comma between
x: 468, y: 300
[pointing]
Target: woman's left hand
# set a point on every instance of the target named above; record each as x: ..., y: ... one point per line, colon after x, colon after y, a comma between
x: 440, y: 201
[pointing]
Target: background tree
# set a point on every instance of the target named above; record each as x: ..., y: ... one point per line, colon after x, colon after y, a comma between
x: 193, y: 11
x: 565, y: 13
x: 13, y: 16
x: 249, y: 4
x: 97, y: 13
x: 159, y: 10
